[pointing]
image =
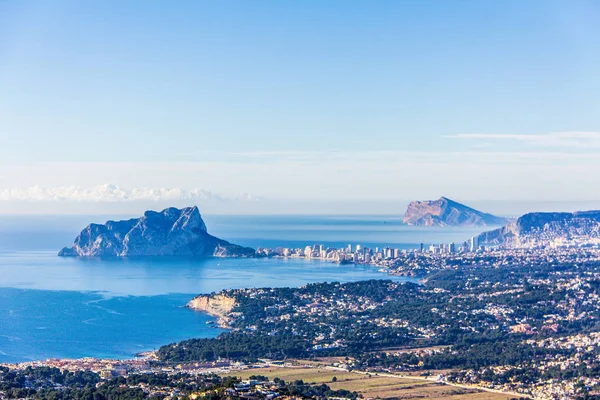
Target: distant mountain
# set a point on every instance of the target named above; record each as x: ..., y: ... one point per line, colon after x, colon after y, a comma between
x: 545, y: 229
x: 446, y: 212
x: 171, y: 232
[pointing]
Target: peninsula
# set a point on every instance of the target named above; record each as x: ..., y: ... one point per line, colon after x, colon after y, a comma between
x: 170, y: 232
x: 446, y: 212
x: 540, y: 229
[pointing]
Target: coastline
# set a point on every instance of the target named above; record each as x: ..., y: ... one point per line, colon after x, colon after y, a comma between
x: 215, y: 305
x: 111, y: 305
x: 383, y: 269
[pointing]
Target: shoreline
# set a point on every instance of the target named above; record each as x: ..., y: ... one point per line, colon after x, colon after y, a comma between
x: 222, y: 319
x: 215, y: 305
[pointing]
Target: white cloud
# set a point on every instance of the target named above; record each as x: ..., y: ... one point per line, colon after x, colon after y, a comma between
x: 555, y: 139
x: 318, y: 177
x: 113, y: 193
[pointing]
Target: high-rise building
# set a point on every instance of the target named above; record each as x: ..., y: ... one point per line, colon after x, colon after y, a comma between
x: 308, y: 251
x: 474, y: 245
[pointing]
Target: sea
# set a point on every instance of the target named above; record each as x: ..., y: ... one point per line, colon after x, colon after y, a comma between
x: 54, y: 307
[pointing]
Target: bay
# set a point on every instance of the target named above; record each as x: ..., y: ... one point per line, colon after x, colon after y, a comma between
x: 52, y: 307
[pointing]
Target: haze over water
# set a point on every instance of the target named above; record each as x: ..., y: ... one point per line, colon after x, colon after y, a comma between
x: 67, y: 307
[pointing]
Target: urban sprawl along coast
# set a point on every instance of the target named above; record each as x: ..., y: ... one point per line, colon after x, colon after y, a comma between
x: 513, y: 320
x: 359, y: 254
x: 426, y: 259
x: 513, y: 311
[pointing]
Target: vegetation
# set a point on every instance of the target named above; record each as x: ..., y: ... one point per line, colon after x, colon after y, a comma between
x: 53, y: 384
x: 478, y: 317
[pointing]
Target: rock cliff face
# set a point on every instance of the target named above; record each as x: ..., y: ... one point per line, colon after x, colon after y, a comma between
x: 445, y: 212
x: 217, y: 305
x: 546, y: 229
x: 171, y: 232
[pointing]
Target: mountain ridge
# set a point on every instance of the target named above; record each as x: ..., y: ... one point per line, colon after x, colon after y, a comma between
x: 545, y: 229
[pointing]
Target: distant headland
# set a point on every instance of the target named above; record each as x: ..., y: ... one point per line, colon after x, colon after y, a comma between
x: 170, y: 232
x: 446, y: 212
x: 540, y: 229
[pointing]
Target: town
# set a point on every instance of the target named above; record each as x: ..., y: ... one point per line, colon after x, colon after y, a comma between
x: 425, y: 260
x: 521, y: 321
x: 140, y: 379
x: 359, y: 254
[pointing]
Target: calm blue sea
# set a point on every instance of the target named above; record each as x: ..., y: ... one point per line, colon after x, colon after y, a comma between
x: 64, y: 307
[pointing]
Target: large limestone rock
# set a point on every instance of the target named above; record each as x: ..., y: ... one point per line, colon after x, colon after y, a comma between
x: 446, y: 212
x: 171, y: 232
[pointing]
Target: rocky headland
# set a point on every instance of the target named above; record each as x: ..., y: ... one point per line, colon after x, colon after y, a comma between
x: 170, y: 232
x: 446, y: 212
x: 547, y: 228
x: 217, y: 305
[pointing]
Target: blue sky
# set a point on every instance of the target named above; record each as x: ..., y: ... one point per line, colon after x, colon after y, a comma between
x: 312, y: 101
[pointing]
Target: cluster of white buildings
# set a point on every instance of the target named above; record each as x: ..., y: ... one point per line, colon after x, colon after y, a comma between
x: 359, y: 254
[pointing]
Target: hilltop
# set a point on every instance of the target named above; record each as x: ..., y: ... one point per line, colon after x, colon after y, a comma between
x: 446, y: 212
x: 170, y: 232
x: 547, y: 228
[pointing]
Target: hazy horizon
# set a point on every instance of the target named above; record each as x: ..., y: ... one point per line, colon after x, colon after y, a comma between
x: 266, y: 208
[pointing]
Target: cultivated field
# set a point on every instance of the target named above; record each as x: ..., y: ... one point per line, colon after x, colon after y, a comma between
x: 373, y: 386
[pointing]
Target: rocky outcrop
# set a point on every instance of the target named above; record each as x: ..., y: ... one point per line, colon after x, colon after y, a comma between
x: 171, y: 232
x: 217, y: 305
x: 446, y: 212
x: 546, y: 229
